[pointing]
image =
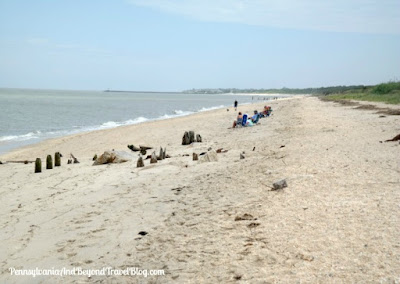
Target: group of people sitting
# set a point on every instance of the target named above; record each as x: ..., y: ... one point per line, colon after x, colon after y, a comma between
x: 245, y: 120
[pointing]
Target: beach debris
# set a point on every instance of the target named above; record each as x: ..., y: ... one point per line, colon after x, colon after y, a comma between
x: 38, y: 165
x: 185, y: 138
x: 133, y: 148
x: 202, y: 153
x: 254, y: 148
x: 305, y: 257
x: 191, y: 137
x: 153, y: 159
x: 57, y: 159
x: 210, y: 156
x: 279, y: 184
x: 195, y: 157
x: 113, y: 157
x: 20, y: 205
x: 242, y: 156
x: 396, y: 138
x: 142, y: 233
x: 253, y: 225
x: 94, y: 157
x: 75, y: 159
x: 164, y: 154
x: 19, y: 162
x: 282, y: 146
x: 209, y: 149
x: 245, y: 217
x: 143, y: 149
x: 49, y: 162
x: 221, y: 150
x: 1, y: 163
x: 69, y: 161
x: 140, y: 162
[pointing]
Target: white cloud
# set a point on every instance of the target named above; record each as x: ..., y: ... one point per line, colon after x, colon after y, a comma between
x: 365, y: 16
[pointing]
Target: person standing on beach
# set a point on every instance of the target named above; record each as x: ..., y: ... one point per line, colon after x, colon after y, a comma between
x: 235, y: 104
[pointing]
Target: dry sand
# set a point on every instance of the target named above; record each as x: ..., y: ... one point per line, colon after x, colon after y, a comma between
x: 338, y: 221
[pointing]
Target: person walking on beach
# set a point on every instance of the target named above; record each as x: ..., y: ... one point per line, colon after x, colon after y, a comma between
x: 235, y: 104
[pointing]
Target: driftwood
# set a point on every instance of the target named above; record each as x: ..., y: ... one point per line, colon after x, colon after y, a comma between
x: 145, y: 147
x: 20, y: 162
x: 75, y: 159
x: 38, y: 165
x: 396, y: 138
x: 133, y: 148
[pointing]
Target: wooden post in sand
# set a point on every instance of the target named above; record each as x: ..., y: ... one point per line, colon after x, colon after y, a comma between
x: 153, y: 159
x: 57, y: 159
x: 160, y: 157
x: 38, y: 165
x: 49, y: 162
x: 140, y: 162
x: 195, y: 157
x: 185, y: 138
x: 191, y: 137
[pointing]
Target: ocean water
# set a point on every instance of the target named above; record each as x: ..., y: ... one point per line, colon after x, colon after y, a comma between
x: 30, y: 116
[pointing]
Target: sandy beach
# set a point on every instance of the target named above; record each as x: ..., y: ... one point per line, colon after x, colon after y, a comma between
x: 337, y: 221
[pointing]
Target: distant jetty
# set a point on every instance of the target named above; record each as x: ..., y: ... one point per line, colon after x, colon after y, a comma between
x: 147, y: 92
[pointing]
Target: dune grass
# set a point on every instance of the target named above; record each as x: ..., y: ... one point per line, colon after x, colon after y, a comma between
x: 385, y: 92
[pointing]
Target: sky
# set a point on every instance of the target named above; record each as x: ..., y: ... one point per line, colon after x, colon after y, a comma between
x: 175, y: 45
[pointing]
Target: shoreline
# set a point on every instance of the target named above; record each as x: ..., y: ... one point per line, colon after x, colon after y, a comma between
x: 27, y: 147
x: 336, y: 221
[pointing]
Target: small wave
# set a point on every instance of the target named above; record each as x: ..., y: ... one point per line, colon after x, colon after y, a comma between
x: 211, y: 108
x: 24, y: 137
x: 113, y: 124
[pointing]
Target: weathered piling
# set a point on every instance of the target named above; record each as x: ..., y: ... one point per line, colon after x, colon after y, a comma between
x: 140, y: 163
x: 49, y: 162
x: 57, y: 159
x: 38, y: 165
x: 153, y: 159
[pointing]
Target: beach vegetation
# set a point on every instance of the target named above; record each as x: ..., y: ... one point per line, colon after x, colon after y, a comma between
x: 386, y: 92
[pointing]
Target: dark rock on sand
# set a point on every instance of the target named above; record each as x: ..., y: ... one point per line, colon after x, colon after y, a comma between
x: 279, y: 184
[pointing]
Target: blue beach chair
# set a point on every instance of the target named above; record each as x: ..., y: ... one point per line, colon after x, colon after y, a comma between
x: 244, y: 119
